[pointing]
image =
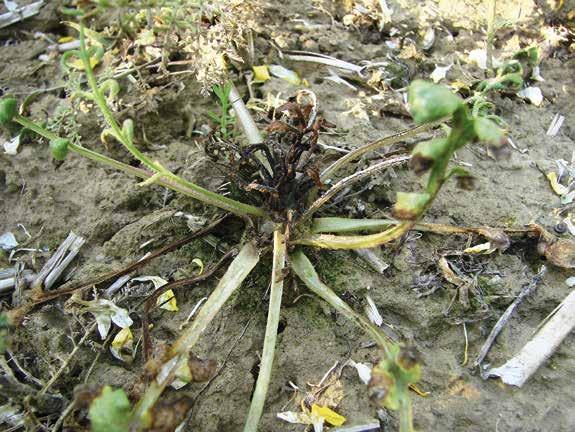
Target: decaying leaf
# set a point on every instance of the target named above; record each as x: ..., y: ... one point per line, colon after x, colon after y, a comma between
x: 482, y: 249
x: 558, y: 251
x: 372, y: 312
x: 167, y: 301
x: 479, y: 58
x: 363, y: 370
x: 497, y: 238
x: 439, y: 73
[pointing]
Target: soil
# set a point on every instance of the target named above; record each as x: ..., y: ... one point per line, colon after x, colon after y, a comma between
x: 117, y: 216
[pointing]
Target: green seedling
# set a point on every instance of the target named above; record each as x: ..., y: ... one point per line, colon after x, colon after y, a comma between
x: 285, y: 211
x: 224, y: 120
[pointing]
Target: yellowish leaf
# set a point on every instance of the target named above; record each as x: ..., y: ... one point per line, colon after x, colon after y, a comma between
x: 328, y: 414
x: 78, y: 64
x: 168, y: 301
x: 557, y: 187
x: 261, y: 74
x: 122, y: 341
x: 65, y: 39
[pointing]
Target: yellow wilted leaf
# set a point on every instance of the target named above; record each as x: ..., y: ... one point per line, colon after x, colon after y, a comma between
x: 122, y: 341
x: 261, y: 74
x: 78, y: 64
x: 65, y: 39
x: 328, y: 414
x: 168, y: 301
x: 557, y: 187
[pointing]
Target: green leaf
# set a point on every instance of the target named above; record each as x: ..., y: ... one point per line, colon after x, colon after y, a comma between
x: 110, y: 412
x: 531, y: 54
x: 8, y: 109
x: 487, y: 131
x: 410, y: 205
x: 426, y: 153
x: 213, y: 116
x: 59, y: 148
x: 429, y: 102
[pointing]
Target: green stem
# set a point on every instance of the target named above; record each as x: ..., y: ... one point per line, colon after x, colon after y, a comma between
x: 405, y: 414
x: 103, y: 106
x: 262, y: 384
x: 303, y: 267
x: 196, y: 192
x: 208, y: 197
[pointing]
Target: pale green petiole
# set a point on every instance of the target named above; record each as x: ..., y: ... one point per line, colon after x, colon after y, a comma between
x: 238, y: 270
x: 329, y: 241
x: 303, y: 267
x: 262, y: 384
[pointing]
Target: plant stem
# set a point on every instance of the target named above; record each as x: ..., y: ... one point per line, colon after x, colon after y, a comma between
x: 328, y: 241
x: 103, y: 106
x: 347, y: 181
x: 208, y: 197
x: 376, y: 145
x: 197, y: 192
x: 248, y: 124
x: 303, y: 267
x: 238, y: 270
x: 262, y: 384
x: 405, y: 414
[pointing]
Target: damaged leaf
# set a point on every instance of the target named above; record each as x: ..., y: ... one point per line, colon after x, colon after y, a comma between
x: 168, y: 301
x: 107, y: 312
x: 410, y: 205
x: 532, y: 94
x: 426, y: 153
